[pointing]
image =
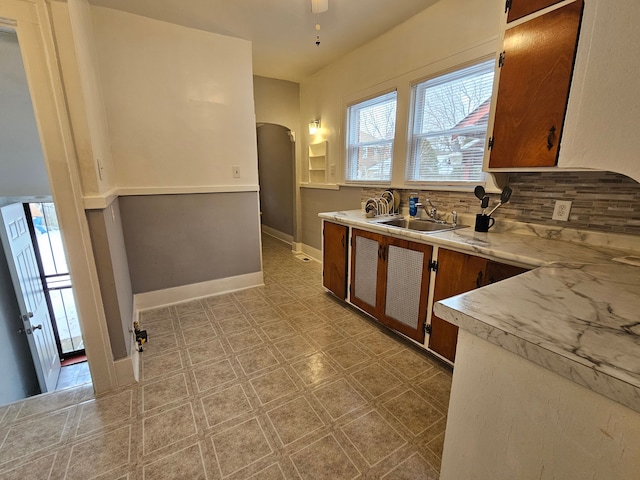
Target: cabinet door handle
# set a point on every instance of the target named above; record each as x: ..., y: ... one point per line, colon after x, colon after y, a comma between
x: 479, y: 279
x: 552, y: 132
x: 342, y: 241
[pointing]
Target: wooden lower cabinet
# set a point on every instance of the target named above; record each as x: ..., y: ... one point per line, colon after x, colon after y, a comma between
x: 390, y: 281
x: 459, y: 273
x: 334, y: 258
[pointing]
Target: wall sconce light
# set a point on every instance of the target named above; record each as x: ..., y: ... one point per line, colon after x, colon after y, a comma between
x: 314, y: 127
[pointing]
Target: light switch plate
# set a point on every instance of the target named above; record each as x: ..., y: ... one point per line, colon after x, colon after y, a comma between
x: 561, y: 210
x: 236, y: 171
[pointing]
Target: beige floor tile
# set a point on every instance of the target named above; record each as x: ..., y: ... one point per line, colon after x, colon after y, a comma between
x: 101, y: 454
x: 165, y: 391
x: 240, y: 446
x: 26, y: 438
x: 222, y: 312
x: 272, y: 472
x: 206, y: 352
x: 314, y: 368
x: 256, y: 360
x: 266, y: 315
x: 294, y: 420
x: 233, y: 325
x: 278, y: 329
x: 199, y: 334
x: 35, y: 468
x: 159, y: 344
x: 96, y: 415
x: 410, y: 364
x: 339, y: 398
x: 254, y: 304
x: 414, y: 468
x: 48, y: 402
x: 247, y: 295
x: 164, y: 364
x: 149, y: 316
x: 293, y: 308
x: 225, y: 405
x: 325, y: 336
x: 348, y: 355
x: 324, y: 460
x: 373, y: 437
x: 189, y: 307
x: 212, y: 375
x: 413, y: 411
x: 159, y: 327
x: 273, y: 385
x: 294, y: 347
x: 193, y: 320
x: 167, y: 428
x: 218, y: 300
x: 376, y: 380
x: 438, y: 386
x: 187, y: 464
x: 379, y: 343
x: 243, y: 341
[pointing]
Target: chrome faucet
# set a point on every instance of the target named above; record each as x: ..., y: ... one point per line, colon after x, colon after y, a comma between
x: 432, y: 212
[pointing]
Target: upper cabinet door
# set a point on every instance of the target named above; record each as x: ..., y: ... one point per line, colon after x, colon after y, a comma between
x: 533, y: 89
x: 522, y: 8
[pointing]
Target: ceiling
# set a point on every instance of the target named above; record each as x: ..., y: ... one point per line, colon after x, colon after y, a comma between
x: 282, y: 31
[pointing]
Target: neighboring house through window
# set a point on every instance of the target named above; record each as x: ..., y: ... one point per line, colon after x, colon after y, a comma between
x: 371, y: 127
x: 449, y: 126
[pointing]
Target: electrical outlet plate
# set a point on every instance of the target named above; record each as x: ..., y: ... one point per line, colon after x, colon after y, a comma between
x: 561, y: 210
x: 236, y: 171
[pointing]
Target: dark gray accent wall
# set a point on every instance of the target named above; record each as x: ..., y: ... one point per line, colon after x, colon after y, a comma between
x: 110, y: 254
x: 276, y: 160
x: 315, y: 201
x: 177, y: 240
x: 18, y: 374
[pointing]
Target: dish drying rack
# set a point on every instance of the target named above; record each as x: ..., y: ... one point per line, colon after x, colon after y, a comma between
x: 387, y: 204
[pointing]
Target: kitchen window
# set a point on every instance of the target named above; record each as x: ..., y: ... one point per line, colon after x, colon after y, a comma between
x: 371, y: 127
x: 449, y: 126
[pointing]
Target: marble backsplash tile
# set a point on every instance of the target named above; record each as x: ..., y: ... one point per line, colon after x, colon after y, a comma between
x: 602, y: 201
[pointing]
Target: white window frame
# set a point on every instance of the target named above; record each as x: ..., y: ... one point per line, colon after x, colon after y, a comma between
x: 415, y: 134
x: 353, y: 145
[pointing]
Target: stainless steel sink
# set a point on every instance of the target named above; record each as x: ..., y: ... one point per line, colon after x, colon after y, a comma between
x: 420, y: 225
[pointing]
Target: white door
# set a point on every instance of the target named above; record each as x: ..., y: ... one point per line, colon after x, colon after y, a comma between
x: 34, y: 313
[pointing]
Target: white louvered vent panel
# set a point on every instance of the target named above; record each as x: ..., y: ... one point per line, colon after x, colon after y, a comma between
x: 366, y: 274
x: 404, y: 277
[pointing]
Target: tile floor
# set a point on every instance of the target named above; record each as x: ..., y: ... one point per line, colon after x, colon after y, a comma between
x: 72, y: 375
x: 275, y: 382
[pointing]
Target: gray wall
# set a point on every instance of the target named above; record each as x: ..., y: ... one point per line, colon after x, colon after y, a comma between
x: 176, y: 240
x: 110, y: 254
x: 22, y: 165
x: 276, y: 171
x: 315, y: 201
x: 18, y: 374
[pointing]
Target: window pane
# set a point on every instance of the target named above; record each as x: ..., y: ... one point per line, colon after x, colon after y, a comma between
x: 449, y: 126
x: 370, y: 133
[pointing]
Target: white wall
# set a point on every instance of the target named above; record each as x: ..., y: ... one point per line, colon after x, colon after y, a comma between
x: 443, y: 36
x: 179, y: 103
x: 22, y: 167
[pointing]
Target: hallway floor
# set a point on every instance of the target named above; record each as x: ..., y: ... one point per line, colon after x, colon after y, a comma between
x: 274, y: 382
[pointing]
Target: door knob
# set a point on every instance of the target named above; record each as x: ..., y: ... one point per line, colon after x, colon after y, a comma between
x: 37, y: 327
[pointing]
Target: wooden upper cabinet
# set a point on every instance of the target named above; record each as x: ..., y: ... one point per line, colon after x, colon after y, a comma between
x: 533, y: 89
x: 522, y: 8
x: 334, y: 259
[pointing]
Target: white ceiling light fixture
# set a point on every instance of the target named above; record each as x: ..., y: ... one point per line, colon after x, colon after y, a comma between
x: 317, y: 7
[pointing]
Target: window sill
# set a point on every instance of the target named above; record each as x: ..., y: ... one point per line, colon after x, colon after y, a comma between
x: 321, y: 186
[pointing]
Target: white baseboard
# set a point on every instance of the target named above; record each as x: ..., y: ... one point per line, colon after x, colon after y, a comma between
x: 285, y: 237
x: 312, y: 252
x: 170, y: 296
x: 127, y: 369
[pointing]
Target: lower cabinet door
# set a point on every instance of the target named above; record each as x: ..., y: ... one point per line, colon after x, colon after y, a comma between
x: 406, y: 287
x: 367, y: 276
x: 457, y: 273
x: 334, y: 259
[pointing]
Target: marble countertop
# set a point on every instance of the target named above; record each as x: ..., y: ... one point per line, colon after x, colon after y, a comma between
x: 576, y: 314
